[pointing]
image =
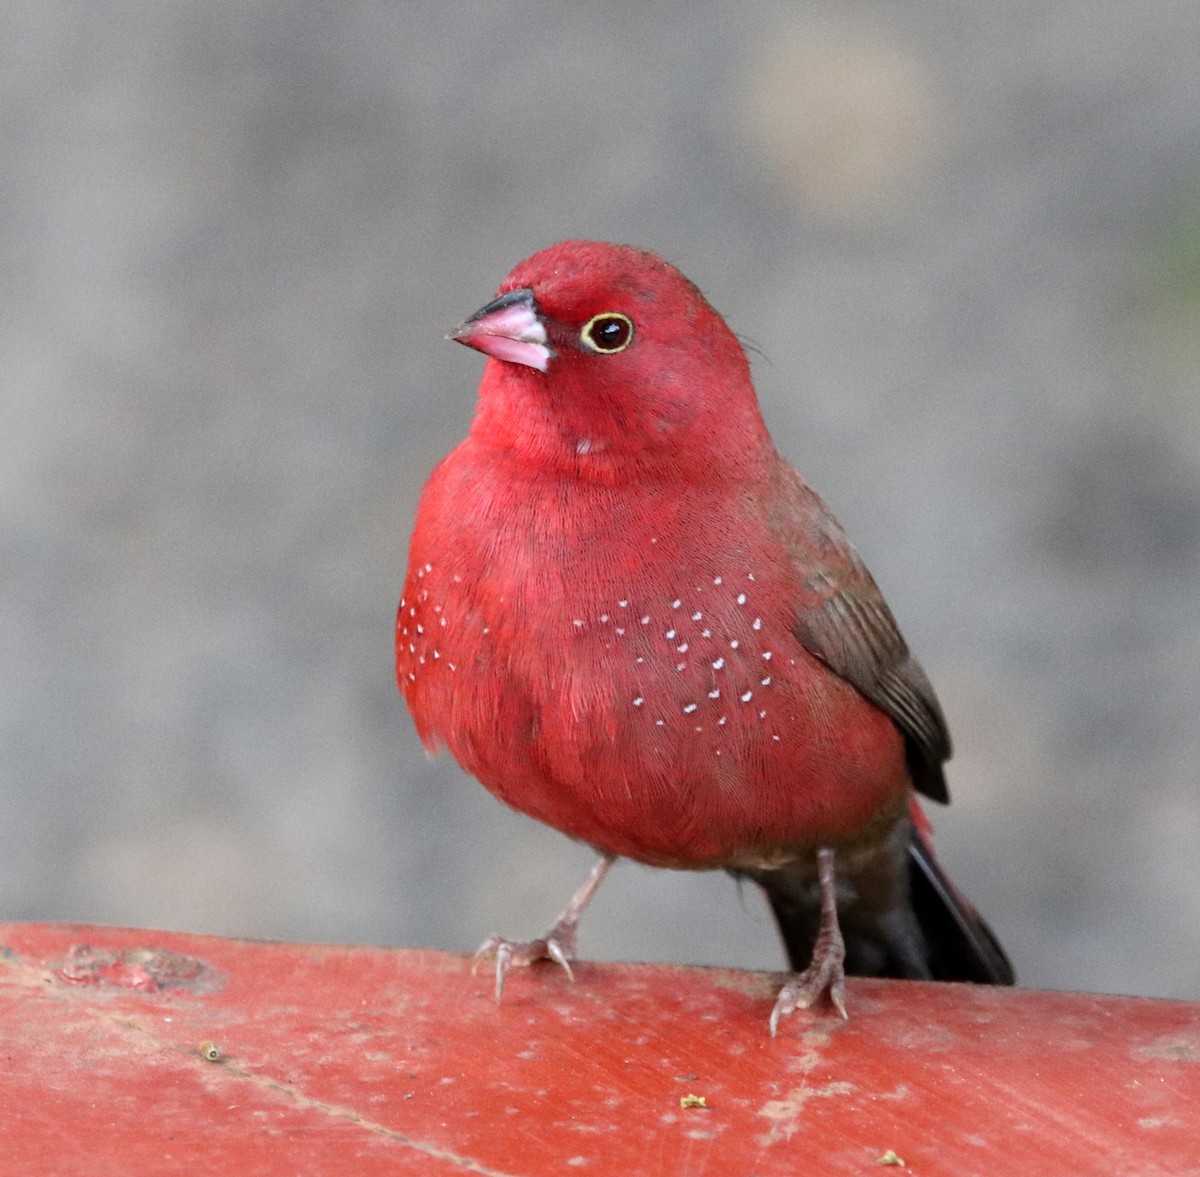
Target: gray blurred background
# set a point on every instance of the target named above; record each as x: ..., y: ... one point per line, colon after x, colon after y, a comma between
x: 966, y: 239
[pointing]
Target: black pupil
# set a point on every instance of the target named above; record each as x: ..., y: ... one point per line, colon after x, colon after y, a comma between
x: 610, y: 334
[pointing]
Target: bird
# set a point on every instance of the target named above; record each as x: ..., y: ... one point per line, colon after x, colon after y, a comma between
x: 628, y: 617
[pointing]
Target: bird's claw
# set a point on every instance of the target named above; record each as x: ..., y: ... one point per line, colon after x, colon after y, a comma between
x: 558, y: 945
x: 825, y: 974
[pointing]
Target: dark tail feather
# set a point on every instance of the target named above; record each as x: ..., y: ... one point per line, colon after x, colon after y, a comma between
x: 900, y: 916
x: 960, y: 946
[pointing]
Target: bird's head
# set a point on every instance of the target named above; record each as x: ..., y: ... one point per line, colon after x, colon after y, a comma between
x: 604, y: 355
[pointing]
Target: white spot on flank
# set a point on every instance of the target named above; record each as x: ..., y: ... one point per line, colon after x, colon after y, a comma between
x: 775, y: 738
x: 733, y: 645
x: 766, y: 655
x: 699, y: 727
x: 762, y: 715
x: 682, y: 648
x: 716, y: 580
x: 757, y: 623
x: 638, y: 701
x: 660, y: 723
x: 442, y: 622
x: 646, y: 619
x: 436, y: 654
x: 680, y: 665
x: 428, y: 567
x: 623, y: 604
x: 689, y: 708
x: 741, y: 598
x: 603, y: 618
x: 706, y: 633
x: 697, y: 615
x: 747, y: 696
x: 577, y: 623
x: 456, y: 578
x: 420, y: 629
x: 718, y: 664
x: 412, y: 677
x: 620, y: 631
x: 721, y: 721
x: 676, y: 603
x: 669, y: 635
x: 401, y: 602
x: 766, y: 682
x: 641, y: 659
x: 714, y: 694
x: 749, y: 575
x: 486, y: 629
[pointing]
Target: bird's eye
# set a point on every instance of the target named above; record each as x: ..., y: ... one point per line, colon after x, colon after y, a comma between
x: 607, y: 333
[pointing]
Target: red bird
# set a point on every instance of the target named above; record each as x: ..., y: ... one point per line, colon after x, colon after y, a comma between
x: 629, y: 618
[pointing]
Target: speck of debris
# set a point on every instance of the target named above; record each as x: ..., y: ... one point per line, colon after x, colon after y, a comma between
x: 693, y: 1101
x: 210, y: 1051
x: 890, y: 1158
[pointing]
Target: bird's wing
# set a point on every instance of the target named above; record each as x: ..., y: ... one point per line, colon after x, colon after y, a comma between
x: 843, y: 620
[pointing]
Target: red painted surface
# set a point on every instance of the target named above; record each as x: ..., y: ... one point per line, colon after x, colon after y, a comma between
x: 372, y: 1061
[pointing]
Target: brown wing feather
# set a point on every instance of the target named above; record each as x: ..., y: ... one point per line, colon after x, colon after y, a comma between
x: 847, y: 624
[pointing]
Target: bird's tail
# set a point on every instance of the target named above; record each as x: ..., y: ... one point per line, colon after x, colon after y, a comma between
x: 961, y: 947
x: 900, y: 915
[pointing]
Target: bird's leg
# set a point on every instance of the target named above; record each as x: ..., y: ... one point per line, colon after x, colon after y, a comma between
x: 557, y: 945
x: 825, y: 974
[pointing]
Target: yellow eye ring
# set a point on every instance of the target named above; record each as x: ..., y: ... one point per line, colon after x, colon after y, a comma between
x: 607, y: 333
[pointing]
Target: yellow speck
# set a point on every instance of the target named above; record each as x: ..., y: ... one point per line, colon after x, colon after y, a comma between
x: 693, y: 1101
x: 890, y: 1158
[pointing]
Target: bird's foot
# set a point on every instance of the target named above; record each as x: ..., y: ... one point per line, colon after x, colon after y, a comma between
x: 557, y: 945
x: 824, y: 975
x: 826, y: 972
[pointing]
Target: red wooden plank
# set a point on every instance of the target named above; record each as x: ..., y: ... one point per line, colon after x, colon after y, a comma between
x: 365, y: 1061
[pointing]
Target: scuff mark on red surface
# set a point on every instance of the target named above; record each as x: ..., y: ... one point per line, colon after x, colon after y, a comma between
x: 144, y: 970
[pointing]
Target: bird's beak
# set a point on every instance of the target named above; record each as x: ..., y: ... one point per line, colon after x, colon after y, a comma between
x: 508, y: 328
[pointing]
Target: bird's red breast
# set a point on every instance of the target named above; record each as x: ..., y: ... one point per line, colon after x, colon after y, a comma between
x: 600, y: 614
